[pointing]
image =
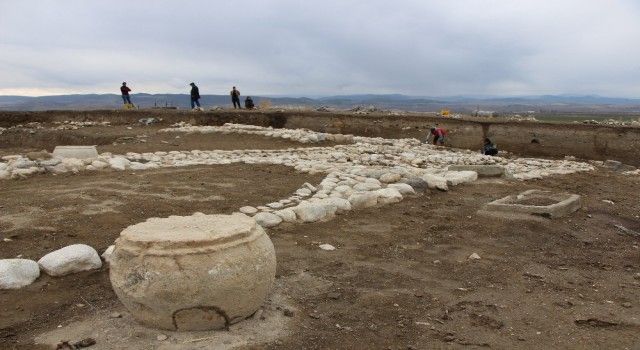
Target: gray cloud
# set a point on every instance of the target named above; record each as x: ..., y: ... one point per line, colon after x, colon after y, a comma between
x: 329, y: 47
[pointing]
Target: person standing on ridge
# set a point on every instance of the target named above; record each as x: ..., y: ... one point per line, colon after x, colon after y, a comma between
x: 235, y: 98
x: 124, y: 89
x: 195, y: 97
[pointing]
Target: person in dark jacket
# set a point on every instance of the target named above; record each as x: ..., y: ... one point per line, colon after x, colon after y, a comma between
x: 235, y: 97
x: 489, y: 149
x: 248, y: 103
x: 124, y: 89
x: 195, y: 97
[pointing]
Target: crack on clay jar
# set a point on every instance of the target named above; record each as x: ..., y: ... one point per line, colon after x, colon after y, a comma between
x: 218, y: 310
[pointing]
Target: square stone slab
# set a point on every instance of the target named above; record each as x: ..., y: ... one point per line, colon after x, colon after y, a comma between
x: 78, y: 152
x: 537, y: 202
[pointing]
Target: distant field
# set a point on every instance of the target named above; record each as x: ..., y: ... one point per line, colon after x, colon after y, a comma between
x: 569, y: 117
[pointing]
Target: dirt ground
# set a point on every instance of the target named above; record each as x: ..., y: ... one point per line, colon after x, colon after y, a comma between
x: 120, y: 139
x: 400, y: 277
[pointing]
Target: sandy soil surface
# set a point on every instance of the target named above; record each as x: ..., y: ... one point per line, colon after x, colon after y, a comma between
x: 400, y: 278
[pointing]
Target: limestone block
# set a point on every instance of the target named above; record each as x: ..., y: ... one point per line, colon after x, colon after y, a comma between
x: 390, y: 177
x: 366, y: 186
x: 303, y: 192
x: 73, y: 164
x: 51, y: 162
x: 485, y: 170
x: 275, y: 205
x: 41, y: 155
x: 99, y: 164
x: 23, y: 163
x: 287, y: 215
x: 57, y: 169
x: 436, y: 182
x: 340, y: 204
x: 248, y: 210
x: 106, y: 255
x: 70, y: 259
x: 388, y: 195
x: 537, y: 202
x: 363, y: 199
x: 403, y: 188
x: 455, y: 178
x: 78, y: 152
x: 137, y: 166
x: 18, y: 273
x: 371, y: 180
x: 312, y: 212
x: 119, y: 163
x: 191, y: 273
x: 265, y: 219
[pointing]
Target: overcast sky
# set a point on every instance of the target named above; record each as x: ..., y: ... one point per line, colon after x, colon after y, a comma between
x: 330, y: 47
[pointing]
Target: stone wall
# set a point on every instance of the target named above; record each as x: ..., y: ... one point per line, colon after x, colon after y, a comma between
x: 524, y: 138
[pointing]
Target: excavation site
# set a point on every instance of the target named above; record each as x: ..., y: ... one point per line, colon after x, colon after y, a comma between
x: 291, y: 229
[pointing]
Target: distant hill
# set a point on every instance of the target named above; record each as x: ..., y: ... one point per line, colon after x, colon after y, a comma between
x: 544, y: 103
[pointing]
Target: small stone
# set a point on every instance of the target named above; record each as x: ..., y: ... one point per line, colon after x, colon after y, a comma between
x: 106, y: 255
x: 288, y: 313
x: 85, y: 343
x: 248, y: 210
x: 258, y: 315
x: 474, y: 256
x: 115, y: 315
x: 162, y: 337
x: 327, y: 247
x: 637, y: 275
x: 334, y: 295
x: 626, y: 304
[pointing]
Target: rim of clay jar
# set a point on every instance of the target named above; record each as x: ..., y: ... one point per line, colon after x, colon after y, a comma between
x: 155, y: 236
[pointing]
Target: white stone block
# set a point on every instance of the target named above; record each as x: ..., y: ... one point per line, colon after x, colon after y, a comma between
x: 436, y: 182
x: 70, y: 259
x: 388, y: 195
x: 265, y: 219
x: 18, y: 273
x: 403, y: 188
x: 363, y: 199
x: 78, y: 152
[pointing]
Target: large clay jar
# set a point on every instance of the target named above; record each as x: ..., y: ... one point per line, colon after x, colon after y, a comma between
x: 199, y: 272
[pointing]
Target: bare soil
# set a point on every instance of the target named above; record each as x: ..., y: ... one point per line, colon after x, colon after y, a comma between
x: 400, y: 277
x: 120, y: 139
